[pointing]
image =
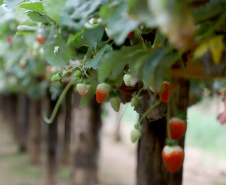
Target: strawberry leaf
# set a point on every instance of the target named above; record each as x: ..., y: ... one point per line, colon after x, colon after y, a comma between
x: 151, y: 63
x: 34, y: 16
x: 62, y: 57
x: 12, y: 3
x: 77, y: 12
x: 139, y: 11
x: 118, y: 22
x: 94, y: 36
x: 33, y: 6
x: 113, y: 64
x: 96, y: 62
x: 54, y: 8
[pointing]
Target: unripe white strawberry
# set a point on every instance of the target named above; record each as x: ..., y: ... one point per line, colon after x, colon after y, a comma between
x: 127, y: 78
x: 82, y: 88
x: 102, y: 92
x: 115, y: 103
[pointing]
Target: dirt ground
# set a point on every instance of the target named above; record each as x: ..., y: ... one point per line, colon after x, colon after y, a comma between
x: 117, y: 163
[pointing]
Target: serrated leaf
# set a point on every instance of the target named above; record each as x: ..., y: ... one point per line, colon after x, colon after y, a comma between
x: 139, y: 10
x: 77, y: 12
x: 12, y: 3
x: 94, y: 36
x: 113, y: 63
x: 33, y: 6
x: 34, y: 16
x: 54, y: 8
x: 164, y: 68
x: 96, y: 62
x: 151, y: 64
x: 60, y: 59
x: 208, y: 10
x: 91, y: 92
x: 118, y: 22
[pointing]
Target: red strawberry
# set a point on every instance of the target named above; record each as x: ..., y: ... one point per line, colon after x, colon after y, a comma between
x: 178, y: 128
x: 173, y: 157
x: 130, y: 35
x: 9, y: 39
x: 48, y: 69
x: 82, y: 89
x: 166, y: 91
x: 70, y: 71
x: 41, y: 39
x: 102, y: 92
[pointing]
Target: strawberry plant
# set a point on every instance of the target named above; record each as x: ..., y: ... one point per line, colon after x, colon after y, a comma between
x: 143, y: 50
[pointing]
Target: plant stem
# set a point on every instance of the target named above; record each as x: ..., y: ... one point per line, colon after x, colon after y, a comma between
x: 50, y: 120
x: 168, y: 120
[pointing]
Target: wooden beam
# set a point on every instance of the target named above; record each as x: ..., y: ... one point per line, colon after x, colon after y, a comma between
x: 194, y: 71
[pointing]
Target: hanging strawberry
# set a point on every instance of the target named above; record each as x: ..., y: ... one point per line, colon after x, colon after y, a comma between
x: 127, y: 78
x: 135, y: 100
x: 166, y: 91
x: 102, y: 92
x: 115, y: 103
x: 173, y: 157
x: 82, y: 89
x: 178, y: 128
x: 136, y: 133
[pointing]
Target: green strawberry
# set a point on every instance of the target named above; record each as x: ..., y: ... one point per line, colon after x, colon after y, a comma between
x: 135, y: 135
x: 135, y: 100
x: 77, y: 73
x: 56, y: 78
x: 115, y: 103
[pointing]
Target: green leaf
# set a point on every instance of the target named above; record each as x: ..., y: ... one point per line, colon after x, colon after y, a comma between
x: 118, y: 22
x: 75, y: 39
x: 91, y: 92
x: 33, y: 6
x: 151, y: 64
x: 164, y: 67
x: 209, y: 10
x: 77, y: 12
x: 64, y: 54
x: 94, y: 36
x: 34, y: 16
x: 54, y: 8
x: 113, y: 64
x: 12, y: 3
x: 1, y: 2
x: 139, y: 11
x: 96, y: 62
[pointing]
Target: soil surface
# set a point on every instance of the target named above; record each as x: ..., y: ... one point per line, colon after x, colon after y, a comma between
x: 117, y: 163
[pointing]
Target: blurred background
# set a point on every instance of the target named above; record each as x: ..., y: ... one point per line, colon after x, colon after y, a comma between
x: 205, y: 159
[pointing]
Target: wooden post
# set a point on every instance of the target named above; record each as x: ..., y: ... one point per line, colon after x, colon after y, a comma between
x: 87, y: 133
x: 52, y: 146
x: 34, y: 131
x: 66, y: 159
x: 151, y: 169
x: 22, y: 121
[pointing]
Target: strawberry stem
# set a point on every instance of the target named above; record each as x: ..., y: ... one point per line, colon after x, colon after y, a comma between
x: 52, y: 117
x: 168, y: 120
